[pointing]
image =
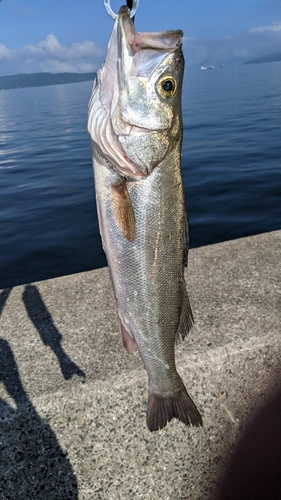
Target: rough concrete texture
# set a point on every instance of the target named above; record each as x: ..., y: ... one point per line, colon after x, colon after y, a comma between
x: 73, y: 403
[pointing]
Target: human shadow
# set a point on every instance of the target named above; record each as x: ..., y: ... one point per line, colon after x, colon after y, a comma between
x: 254, y: 470
x: 50, y: 336
x: 3, y: 298
x: 32, y: 464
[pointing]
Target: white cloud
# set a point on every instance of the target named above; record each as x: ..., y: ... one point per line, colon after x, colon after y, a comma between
x: 4, y: 53
x: 258, y: 42
x: 276, y: 26
x: 188, y: 39
x: 51, y: 56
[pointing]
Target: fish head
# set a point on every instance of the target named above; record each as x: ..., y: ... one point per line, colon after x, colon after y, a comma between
x: 135, y: 108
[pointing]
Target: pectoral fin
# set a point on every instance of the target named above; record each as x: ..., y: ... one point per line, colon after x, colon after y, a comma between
x: 123, y: 210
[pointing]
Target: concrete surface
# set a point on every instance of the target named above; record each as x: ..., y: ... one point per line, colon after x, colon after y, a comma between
x: 73, y: 403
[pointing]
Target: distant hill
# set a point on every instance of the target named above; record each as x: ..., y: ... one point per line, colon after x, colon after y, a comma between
x: 42, y: 79
x: 264, y: 59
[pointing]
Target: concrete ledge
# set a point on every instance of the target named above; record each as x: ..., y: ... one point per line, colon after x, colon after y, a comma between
x: 72, y: 403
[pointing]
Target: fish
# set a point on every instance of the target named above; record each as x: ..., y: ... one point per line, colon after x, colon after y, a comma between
x: 135, y: 126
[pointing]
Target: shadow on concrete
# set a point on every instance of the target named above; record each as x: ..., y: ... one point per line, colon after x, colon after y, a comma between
x: 50, y: 336
x: 3, y: 298
x: 32, y: 464
x: 254, y: 470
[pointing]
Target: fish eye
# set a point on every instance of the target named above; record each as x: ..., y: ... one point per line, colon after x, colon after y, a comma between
x: 167, y: 87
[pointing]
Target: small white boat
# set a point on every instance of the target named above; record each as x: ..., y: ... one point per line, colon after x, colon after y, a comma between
x: 207, y: 67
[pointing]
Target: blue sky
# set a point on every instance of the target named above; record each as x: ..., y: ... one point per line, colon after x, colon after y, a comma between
x: 68, y: 35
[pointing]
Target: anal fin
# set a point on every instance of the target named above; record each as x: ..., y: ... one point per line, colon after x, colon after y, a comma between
x: 123, y: 210
x: 128, y: 342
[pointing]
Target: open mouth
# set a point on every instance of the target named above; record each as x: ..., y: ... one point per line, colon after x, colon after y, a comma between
x: 140, y: 53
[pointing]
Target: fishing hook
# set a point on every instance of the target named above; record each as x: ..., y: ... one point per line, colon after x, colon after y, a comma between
x: 113, y: 15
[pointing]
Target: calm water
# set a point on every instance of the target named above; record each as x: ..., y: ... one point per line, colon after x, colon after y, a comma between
x: 231, y: 163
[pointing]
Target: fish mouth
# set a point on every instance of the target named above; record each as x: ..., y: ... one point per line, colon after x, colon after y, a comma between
x: 139, y: 53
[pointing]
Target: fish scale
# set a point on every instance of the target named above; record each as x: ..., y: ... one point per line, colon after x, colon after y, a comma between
x: 141, y: 206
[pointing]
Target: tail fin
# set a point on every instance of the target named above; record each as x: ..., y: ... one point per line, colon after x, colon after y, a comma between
x: 160, y: 410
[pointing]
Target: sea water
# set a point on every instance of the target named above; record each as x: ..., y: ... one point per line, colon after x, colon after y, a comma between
x: 231, y: 164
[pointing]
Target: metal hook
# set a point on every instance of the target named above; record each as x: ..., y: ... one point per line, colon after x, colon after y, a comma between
x: 113, y: 15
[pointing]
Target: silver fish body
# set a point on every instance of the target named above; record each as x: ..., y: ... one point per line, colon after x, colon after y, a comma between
x: 136, y: 131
